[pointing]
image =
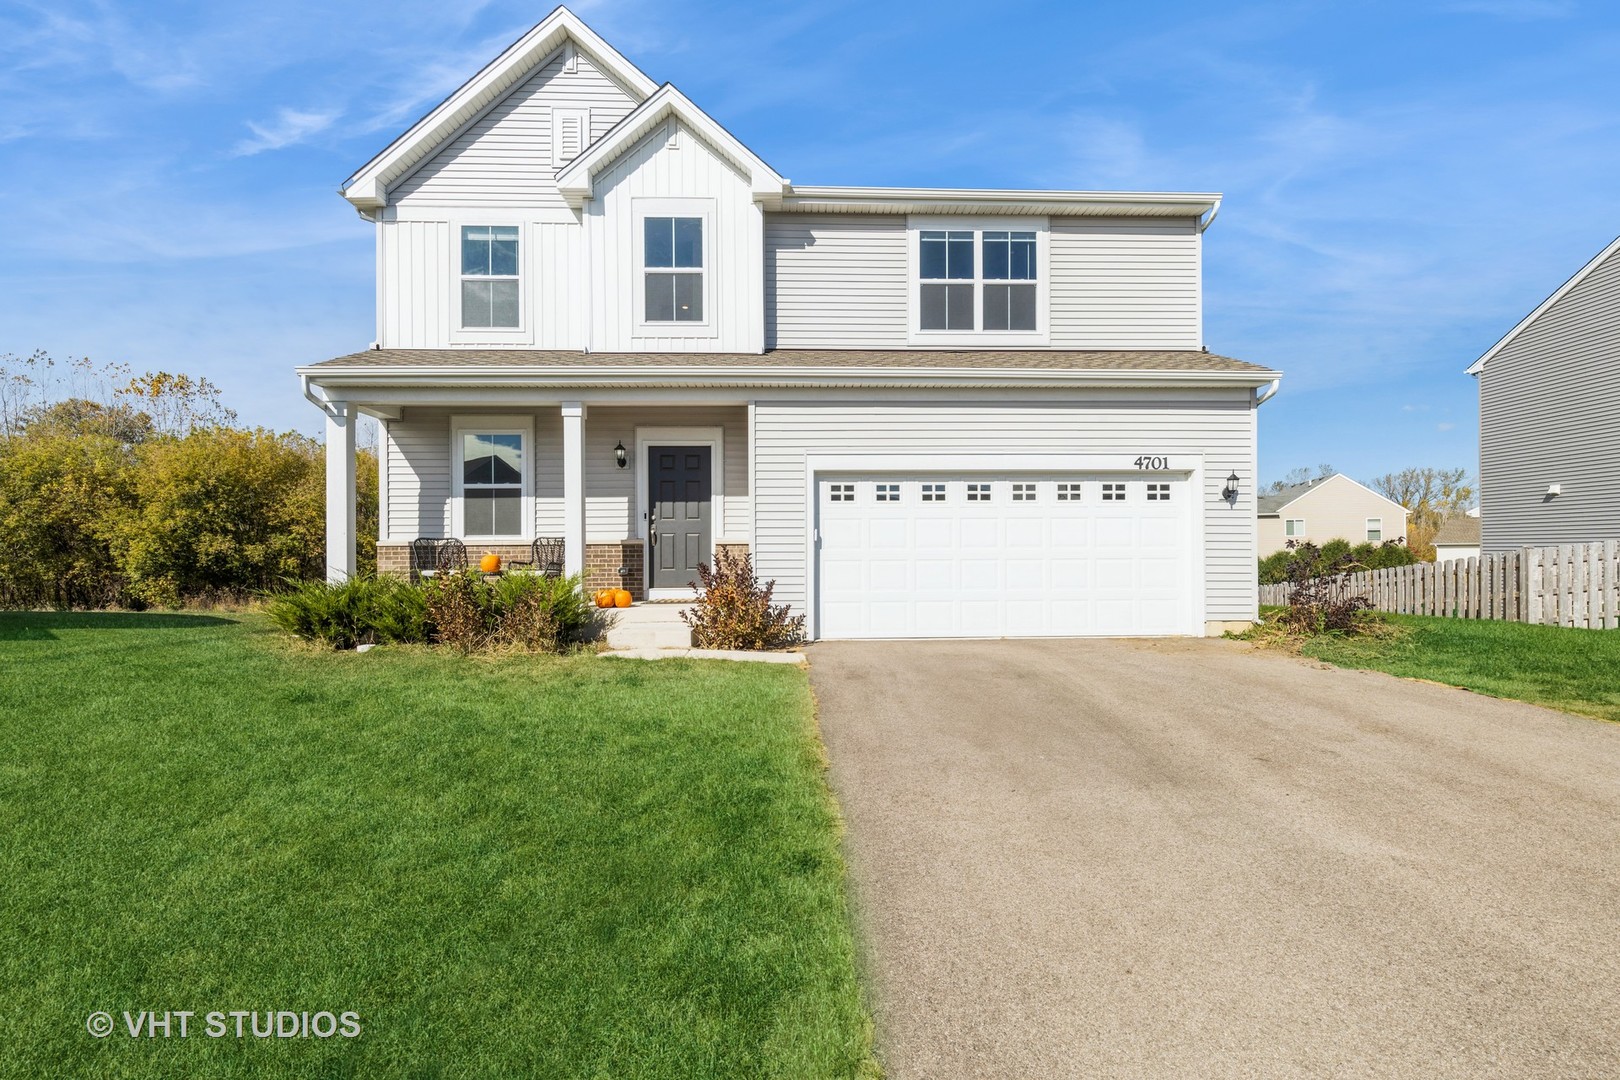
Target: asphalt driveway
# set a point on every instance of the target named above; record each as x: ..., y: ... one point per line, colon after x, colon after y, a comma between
x: 1191, y: 859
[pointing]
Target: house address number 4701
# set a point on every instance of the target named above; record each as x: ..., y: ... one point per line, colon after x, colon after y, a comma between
x: 1152, y: 462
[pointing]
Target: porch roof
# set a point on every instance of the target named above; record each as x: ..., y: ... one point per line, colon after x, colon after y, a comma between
x: 786, y: 367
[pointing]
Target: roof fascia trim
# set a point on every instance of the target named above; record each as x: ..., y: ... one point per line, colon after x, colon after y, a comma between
x: 1563, y: 290
x: 367, y: 188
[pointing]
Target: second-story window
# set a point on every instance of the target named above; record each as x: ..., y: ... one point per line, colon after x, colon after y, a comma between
x: 672, y: 261
x: 489, y: 276
x: 975, y: 280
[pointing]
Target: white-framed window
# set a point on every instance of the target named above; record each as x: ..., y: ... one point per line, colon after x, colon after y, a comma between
x: 491, y: 477
x: 841, y: 492
x: 1294, y: 527
x: 1113, y: 493
x: 675, y: 272
x: 888, y: 493
x: 1158, y: 493
x: 933, y: 493
x: 491, y: 295
x: 978, y: 281
x: 1375, y: 530
x: 1023, y: 493
x: 1068, y: 491
x: 978, y: 493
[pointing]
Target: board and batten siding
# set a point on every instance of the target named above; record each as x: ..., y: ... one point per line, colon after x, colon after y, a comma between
x: 1548, y: 404
x: 841, y: 281
x: 503, y: 158
x: 1127, y: 283
x: 419, y: 466
x: 835, y: 282
x: 418, y: 272
x: 672, y: 163
x: 1218, y: 425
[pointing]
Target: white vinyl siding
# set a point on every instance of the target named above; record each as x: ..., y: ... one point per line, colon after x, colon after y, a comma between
x: 1548, y: 403
x: 417, y: 301
x: 504, y: 158
x: 840, y: 281
x: 419, y: 469
x: 835, y: 282
x: 1218, y: 425
x: 688, y: 173
x: 1125, y: 284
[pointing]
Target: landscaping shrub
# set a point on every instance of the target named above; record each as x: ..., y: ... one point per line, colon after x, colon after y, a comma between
x: 734, y: 611
x: 461, y: 609
x: 362, y: 610
x: 1366, y: 556
x: 1320, y: 596
x: 533, y: 611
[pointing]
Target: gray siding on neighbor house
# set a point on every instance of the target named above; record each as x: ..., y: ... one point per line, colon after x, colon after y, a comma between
x: 1217, y: 424
x: 1549, y: 406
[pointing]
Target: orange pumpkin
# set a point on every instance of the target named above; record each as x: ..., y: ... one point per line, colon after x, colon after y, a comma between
x: 490, y: 563
x: 621, y: 598
x: 604, y: 597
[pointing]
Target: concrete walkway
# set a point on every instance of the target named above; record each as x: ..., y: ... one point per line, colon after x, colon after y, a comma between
x: 1190, y: 859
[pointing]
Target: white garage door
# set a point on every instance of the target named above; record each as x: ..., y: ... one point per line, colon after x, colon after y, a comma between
x: 1004, y: 556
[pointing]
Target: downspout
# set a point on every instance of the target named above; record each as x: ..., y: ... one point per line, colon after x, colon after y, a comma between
x: 318, y: 402
x: 1213, y: 212
x: 1269, y: 392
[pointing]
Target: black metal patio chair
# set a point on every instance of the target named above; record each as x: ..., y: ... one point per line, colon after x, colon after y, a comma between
x: 437, y: 555
x: 548, y: 555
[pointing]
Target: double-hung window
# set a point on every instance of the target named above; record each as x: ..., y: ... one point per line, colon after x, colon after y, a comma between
x: 1375, y: 530
x: 1294, y: 527
x: 978, y: 282
x: 672, y: 267
x: 489, y: 277
x: 491, y: 474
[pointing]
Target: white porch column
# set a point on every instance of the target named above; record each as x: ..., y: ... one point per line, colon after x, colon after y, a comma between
x: 340, y: 496
x: 573, y: 420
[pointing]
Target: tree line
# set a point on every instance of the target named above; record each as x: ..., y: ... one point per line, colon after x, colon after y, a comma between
x: 135, y: 490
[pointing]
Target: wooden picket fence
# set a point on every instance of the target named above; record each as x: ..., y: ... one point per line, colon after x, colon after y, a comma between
x: 1569, y: 585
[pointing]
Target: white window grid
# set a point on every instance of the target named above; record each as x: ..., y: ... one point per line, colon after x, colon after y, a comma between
x: 888, y: 492
x: 1375, y: 530
x: 841, y: 492
x: 1158, y: 493
x: 978, y: 493
x: 967, y: 245
x: 1023, y: 493
x: 933, y: 493
x: 1113, y: 492
x: 1068, y: 492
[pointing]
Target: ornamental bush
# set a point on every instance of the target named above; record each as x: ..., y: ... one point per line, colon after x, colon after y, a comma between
x: 734, y: 611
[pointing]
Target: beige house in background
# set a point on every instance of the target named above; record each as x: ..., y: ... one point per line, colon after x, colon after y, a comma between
x: 1336, y: 508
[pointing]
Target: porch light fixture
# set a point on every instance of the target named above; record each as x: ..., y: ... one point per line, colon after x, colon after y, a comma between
x: 1230, y: 491
x: 619, y: 455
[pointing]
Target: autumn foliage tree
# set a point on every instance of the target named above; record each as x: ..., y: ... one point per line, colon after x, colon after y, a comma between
x: 120, y: 489
x: 1431, y: 497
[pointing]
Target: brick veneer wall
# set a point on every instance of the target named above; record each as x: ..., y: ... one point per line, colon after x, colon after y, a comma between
x: 602, y: 563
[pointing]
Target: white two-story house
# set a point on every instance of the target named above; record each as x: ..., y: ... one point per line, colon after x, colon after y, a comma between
x: 926, y: 412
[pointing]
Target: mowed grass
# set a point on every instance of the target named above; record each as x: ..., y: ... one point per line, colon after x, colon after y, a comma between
x: 1574, y: 670
x: 520, y: 867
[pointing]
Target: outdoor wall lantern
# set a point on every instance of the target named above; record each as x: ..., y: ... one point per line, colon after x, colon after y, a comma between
x: 1230, y: 491
x: 619, y: 455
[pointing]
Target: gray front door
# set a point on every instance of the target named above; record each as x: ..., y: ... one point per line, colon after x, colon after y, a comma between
x: 679, y: 529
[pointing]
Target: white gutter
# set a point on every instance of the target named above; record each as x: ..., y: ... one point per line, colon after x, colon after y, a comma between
x: 1269, y: 392
x: 1214, y: 212
x: 319, y: 402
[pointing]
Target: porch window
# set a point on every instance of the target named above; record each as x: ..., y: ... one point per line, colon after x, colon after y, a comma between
x: 492, y: 472
x: 672, y: 262
x: 489, y: 276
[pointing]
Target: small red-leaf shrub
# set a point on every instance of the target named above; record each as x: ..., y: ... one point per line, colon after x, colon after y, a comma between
x: 734, y: 611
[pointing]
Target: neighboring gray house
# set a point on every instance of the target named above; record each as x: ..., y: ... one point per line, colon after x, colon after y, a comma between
x: 1549, y: 418
x: 1333, y: 508
x: 925, y: 412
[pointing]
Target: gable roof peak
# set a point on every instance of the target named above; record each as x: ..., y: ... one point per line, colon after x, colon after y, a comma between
x: 367, y: 189
x: 1563, y: 290
x: 576, y: 180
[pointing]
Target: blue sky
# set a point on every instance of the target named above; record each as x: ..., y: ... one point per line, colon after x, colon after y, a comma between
x: 1404, y: 181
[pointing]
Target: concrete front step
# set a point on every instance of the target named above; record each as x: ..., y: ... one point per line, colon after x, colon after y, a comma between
x: 649, y: 626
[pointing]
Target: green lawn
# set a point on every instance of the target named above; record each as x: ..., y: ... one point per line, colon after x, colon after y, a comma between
x: 523, y: 867
x: 1574, y: 670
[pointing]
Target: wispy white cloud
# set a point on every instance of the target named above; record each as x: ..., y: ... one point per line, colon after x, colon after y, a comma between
x: 290, y: 126
x: 1444, y: 425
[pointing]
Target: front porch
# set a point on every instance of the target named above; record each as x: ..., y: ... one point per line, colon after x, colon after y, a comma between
x: 639, y: 493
